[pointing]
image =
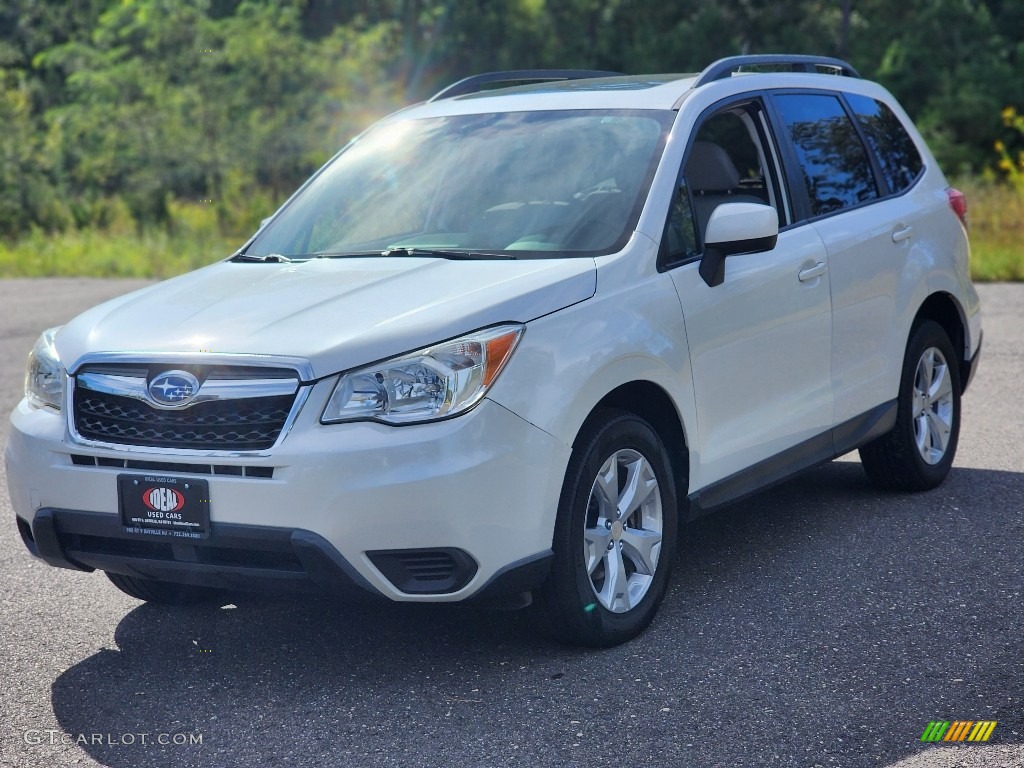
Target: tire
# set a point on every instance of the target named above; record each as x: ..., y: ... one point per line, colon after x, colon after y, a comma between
x: 580, y: 603
x: 918, y: 453
x: 163, y: 592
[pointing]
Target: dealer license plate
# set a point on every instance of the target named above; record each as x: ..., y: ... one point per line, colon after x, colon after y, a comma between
x: 164, y: 505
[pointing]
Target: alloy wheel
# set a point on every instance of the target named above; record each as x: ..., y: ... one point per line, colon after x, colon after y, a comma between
x: 623, y: 530
x: 932, y: 405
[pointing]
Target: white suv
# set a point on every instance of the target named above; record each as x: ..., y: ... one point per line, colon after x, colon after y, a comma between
x: 507, y: 340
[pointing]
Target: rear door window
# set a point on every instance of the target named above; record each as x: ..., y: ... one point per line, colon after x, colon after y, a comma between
x: 900, y: 161
x: 833, y: 160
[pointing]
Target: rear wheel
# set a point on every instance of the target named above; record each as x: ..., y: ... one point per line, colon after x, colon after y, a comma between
x: 164, y: 592
x: 615, y: 535
x: 918, y: 453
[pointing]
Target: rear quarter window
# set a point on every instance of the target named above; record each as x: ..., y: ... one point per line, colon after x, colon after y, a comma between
x: 901, y: 162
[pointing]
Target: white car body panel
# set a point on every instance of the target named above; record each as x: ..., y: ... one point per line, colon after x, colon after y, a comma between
x: 877, y: 286
x: 335, y: 313
x: 761, y: 339
x: 632, y: 330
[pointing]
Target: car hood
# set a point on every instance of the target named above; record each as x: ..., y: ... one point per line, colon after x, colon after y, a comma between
x: 334, y: 313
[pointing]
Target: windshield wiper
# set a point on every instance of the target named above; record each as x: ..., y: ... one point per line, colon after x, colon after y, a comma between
x: 440, y: 253
x: 270, y: 258
x: 342, y: 254
x: 399, y: 251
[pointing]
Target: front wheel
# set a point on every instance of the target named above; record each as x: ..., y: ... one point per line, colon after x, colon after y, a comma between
x: 615, y: 535
x: 918, y: 453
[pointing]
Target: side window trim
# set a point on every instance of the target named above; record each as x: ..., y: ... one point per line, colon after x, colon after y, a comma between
x: 791, y: 169
x: 881, y: 182
x: 775, y: 167
x: 775, y: 175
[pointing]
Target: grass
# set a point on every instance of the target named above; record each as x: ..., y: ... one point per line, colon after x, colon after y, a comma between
x: 93, y: 253
x: 996, y: 214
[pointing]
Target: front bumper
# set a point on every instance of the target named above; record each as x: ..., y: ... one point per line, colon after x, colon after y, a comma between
x: 233, y: 557
x: 347, y: 508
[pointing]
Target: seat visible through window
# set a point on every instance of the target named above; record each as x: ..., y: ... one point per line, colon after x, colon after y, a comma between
x: 713, y: 179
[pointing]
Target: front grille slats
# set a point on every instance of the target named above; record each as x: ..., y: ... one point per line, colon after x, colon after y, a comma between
x: 95, y: 404
x: 235, y: 424
x: 80, y: 460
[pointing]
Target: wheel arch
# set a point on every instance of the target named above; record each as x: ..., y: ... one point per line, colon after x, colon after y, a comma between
x: 944, y: 309
x: 654, y: 405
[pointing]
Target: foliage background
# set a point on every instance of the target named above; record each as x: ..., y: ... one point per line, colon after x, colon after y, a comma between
x: 145, y: 137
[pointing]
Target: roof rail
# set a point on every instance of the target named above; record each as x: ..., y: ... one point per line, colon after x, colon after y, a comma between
x: 475, y: 83
x: 724, y: 68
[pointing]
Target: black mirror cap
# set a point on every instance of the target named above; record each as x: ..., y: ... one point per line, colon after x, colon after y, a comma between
x: 712, y: 263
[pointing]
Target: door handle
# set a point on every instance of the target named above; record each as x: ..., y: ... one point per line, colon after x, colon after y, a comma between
x: 899, y: 235
x: 812, y: 272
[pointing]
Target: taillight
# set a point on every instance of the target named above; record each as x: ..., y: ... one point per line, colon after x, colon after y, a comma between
x: 958, y: 202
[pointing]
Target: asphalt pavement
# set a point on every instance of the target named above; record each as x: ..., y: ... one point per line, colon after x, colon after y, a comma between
x: 821, y: 623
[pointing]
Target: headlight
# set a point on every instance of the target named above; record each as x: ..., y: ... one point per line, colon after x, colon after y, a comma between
x: 442, y: 380
x: 44, y: 376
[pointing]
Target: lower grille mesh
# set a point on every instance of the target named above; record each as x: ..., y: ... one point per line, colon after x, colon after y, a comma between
x: 241, y: 424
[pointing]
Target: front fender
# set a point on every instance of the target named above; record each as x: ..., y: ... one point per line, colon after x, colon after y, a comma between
x: 631, y: 330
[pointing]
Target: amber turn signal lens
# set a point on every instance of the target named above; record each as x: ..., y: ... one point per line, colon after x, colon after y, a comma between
x: 498, y: 350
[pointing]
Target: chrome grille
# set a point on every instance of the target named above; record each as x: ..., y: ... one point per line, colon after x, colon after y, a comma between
x: 233, y: 413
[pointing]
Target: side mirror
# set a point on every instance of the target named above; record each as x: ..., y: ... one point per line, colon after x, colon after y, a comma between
x: 736, y: 228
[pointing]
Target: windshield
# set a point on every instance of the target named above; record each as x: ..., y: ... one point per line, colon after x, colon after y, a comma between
x: 524, y: 183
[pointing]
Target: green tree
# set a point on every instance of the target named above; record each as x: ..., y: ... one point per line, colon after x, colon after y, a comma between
x: 140, y: 108
x: 167, y: 101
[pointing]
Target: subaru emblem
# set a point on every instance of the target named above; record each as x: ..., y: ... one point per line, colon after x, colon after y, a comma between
x: 173, y: 388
